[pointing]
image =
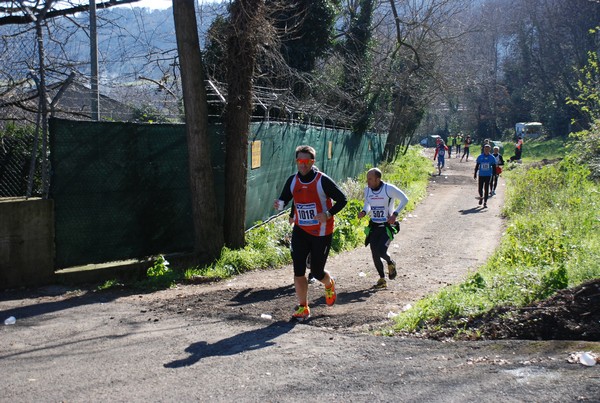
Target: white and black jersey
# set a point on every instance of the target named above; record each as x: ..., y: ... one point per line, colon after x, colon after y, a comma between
x: 379, y: 203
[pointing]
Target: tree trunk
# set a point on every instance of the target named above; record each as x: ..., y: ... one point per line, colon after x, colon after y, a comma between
x: 407, y: 117
x: 241, y: 54
x: 208, y: 234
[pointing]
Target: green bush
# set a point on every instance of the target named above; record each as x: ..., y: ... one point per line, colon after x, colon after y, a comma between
x: 346, y: 235
x: 473, y: 283
x: 159, y: 275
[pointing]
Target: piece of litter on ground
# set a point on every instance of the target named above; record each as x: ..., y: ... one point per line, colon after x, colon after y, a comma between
x: 587, y: 360
x: 392, y: 315
x: 361, y: 274
x: 266, y: 316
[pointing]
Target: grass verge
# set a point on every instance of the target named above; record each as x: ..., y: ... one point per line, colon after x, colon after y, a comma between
x: 552, y: 242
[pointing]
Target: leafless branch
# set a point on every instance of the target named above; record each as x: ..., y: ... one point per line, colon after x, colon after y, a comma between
x: 30, y: 15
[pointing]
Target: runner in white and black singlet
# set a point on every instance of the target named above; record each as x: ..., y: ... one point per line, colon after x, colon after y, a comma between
x: 380, y: 198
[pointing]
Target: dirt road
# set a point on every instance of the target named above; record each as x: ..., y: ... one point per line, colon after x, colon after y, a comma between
x: 210, y: 343
x: 448, y: 236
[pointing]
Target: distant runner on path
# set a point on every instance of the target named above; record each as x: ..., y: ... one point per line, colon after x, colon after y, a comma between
x: 440, y: 153
x: 466, y: 146
x: 486, y: 165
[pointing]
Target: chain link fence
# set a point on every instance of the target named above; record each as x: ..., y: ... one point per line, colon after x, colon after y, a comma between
x: 21, y: 161
x: 65, y: 84
x: 20, y: 167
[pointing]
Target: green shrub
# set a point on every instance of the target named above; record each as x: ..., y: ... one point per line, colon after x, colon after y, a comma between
x: 473, y: 283
x: 346, y: 234
x: 159, y: 275
x: 553, y: 280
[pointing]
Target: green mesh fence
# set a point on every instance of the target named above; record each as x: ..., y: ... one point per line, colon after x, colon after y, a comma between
x: 350, y: 153
x: 121, y: 190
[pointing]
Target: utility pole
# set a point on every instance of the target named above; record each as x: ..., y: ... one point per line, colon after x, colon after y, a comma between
x: 95, y: 96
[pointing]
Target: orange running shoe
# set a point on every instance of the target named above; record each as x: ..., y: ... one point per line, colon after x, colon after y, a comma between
x: 330, y: 294
x: 302, y: 313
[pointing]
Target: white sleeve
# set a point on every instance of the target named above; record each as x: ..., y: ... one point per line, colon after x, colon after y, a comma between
x: 366, y: 205
x: 397, y: 194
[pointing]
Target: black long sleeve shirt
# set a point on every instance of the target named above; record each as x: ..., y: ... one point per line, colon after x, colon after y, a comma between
x: 331, y: 189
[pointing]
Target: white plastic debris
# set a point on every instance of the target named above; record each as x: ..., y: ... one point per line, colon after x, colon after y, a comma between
x: 584, y: 358
x: 587, y: 360
x: 362, y: 274
x: 266, y: 316
x: 11, y: 320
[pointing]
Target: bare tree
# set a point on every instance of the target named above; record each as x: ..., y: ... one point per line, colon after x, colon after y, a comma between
x: 520, y: 67
x: 247, y: 23
x: 422, y: 36
x: 22, y: 12
x: 208, y: 238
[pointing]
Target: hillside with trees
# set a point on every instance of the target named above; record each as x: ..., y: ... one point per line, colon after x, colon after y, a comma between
x: 408, y: 69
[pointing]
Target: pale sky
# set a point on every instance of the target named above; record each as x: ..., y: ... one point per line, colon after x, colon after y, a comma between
x: 162, y: 4
x: 154, y: 4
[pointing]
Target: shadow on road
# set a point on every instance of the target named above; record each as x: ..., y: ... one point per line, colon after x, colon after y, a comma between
x: 246, y: 341
x: 473, y: 210
x: 42, y: 308
x: 354, y: 296
x: 251, y: 295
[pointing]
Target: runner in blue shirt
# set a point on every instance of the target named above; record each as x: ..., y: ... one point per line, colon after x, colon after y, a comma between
x: 440, y: 152
x: 486, y: 165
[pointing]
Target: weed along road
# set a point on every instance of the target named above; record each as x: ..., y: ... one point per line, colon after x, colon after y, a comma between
x: 209, y: 342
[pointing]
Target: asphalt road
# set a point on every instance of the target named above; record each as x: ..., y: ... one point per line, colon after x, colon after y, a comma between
x: 93, y: 348
x: 78, y: 346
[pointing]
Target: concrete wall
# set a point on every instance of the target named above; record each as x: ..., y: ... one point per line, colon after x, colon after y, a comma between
x: 26, y: 242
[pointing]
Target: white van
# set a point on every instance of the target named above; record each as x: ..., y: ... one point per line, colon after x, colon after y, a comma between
x: 530, y: 130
